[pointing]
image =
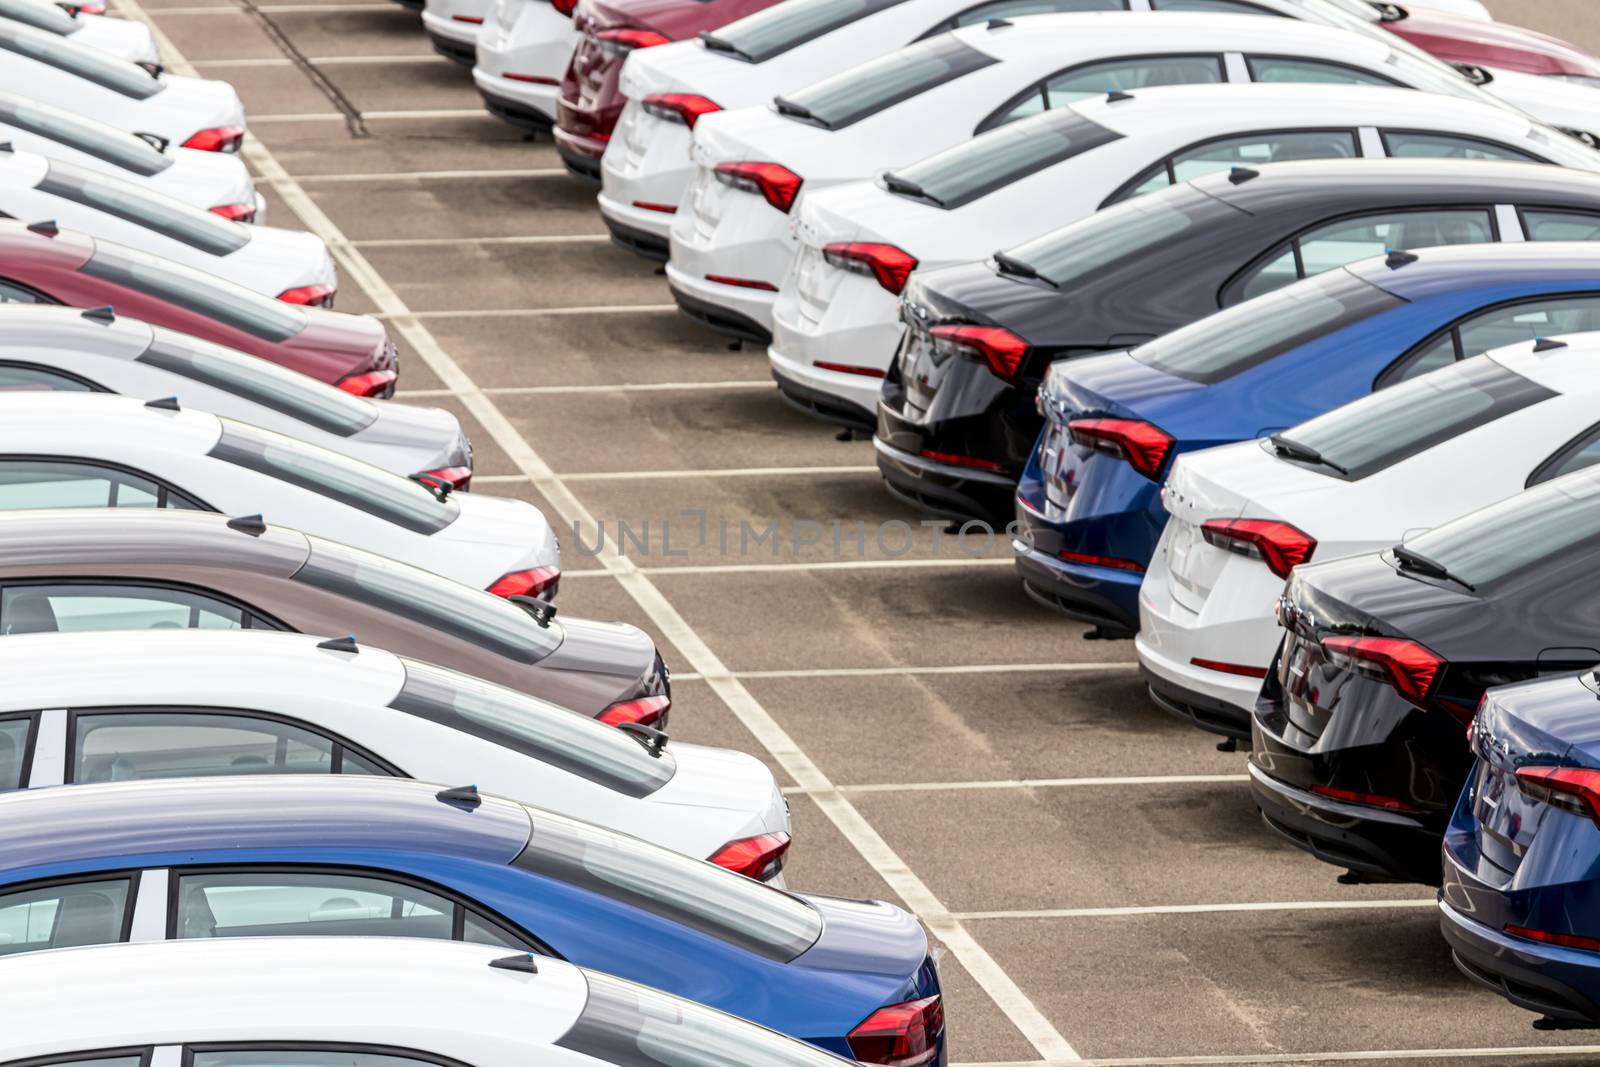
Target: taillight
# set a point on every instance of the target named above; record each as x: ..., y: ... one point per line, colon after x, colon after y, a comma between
x: 758, y: 857
x: 1588, y: 944
x: 217, y: 139
x: 372, y: 383
x: 460, y: 478
x: 1277, y: 544
x: 778, y: 185
x: 888, y: 264
x: 956, y: 460
x: 1144, y: 446
x: 684, y: 108
x: 742, y: 283
x: 532, y: 79
x: 564, y: 7
x: 849, y: 368
x: 1002, y: 350
x: 309, y: 295
x: 628, y: 40
x: 1102, y: 561
x: 647, y: 205
x: 1405, y: 665
x: 536, y: 582
x: 235, y: 212
x: 901, y: 1035
x: 1371, y: 800
x: 94, y: 7
x: 646, y: 711
x: 1573, y: 789
x: 471, y: 20
x: 1243, y: 670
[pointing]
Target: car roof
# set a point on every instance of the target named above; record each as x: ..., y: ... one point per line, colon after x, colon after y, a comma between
x: 1566, y: 363
x: 203, y: 668
x: 111, y: 542
x: 1449, y: 268
x: 65, y: 249
x: 97, y: 331
x: 100, y: 425
x: 1076, y: 36
x: 309, y: 812
x: 432, y: 996
x: 1483, y: 180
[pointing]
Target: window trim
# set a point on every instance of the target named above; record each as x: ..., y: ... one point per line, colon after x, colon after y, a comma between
x: 462, y: 902
x: 130, y: 875
x: 112, y: 465
x: 189, y: 1050
x: 952, y: 23
x: 44, y: 298
x: 22, y: 364
x: 29, y: 744
x: 1522, y: 210
x: 152, y: 583
x: 1543, y: 472
x: 1388, y: 151
x: 144, y: 1053
x: 1156, y: 6
x: 1249, y: 56
x: 1385, y: 377
x: 1166, y: 161
x: 991, y: 120
x: 340, y: 744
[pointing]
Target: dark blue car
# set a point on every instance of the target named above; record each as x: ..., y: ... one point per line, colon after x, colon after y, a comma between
x: 345, y: 856
x: 1520, y: 904
x: 1088, y: 504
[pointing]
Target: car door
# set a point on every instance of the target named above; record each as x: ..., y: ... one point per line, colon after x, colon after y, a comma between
x: 1504, y: 324
x: 87, y: 909
x: 1431, y: 144
x: 94, y: 605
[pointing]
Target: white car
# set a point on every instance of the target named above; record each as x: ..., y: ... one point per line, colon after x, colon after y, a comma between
x: 524, y: 47
x: 44, y: 346
x: 836, y: 321
x: 132, y: 41
x: 1390, y: 465
x: 216, y: 181
x: 182, y: 703
x: 190, y: 112
x: 731, y: 240
x: 453, y: 27
x: 387, y: 1002
x: 75, y: 450
x: 288, y: 264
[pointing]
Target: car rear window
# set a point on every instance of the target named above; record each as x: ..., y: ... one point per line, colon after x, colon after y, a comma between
x: 472, y: 615
x: 550, y: 734
x: 713, y: 900
x: 43, y: 16
x: 351, y: 482
x: 154, y: 211
x: 863, y: 91
x: 1246, y: 335
x: 628, y: 1025
x: 90, y: 64
x: 260, y: 382
x: 92, y: 138
x: 1393, y: 424
x: 757, y: 38
x: 1545, y: 522
x: 994, y: 160
x: 196, y: 291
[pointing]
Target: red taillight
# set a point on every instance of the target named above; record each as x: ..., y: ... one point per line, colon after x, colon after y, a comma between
x: 1002, y: 350
x: 888, y: 264
x: 1102, y: 561
x: 646, y: 711
x: 778, y: 185
x: 1573, y: 789
x: 627, y: 40
x: 532, y: 79
x: 235, y: 212
x: 460, y: 478
x: 849, y: 368
x: 1277, y: 544
x: 901, y: 1035
x: 564, y: 7
x: 955, y: 460
x: 372, y: 383
x: 94, y: 7
x: 217, y: 139
x: 685, y: 108
x: 309, y: 295
x: 758, y: 857
x: 1588, y: 944
x: 1405, y: 665
x: 1371, y: 800
x: 1144, y: 446
x: 742, y: 283
x: 471, y: 20
x: 1243, y: 670
x: 535, y: 582
x: 665, y: 209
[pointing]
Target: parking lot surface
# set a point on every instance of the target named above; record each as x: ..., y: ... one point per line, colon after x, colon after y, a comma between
x: 1093, y: 868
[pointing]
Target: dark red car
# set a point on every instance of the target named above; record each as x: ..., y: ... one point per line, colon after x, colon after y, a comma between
x: 591, y: 96
x: 41, y: 265
x: 1491, y: 44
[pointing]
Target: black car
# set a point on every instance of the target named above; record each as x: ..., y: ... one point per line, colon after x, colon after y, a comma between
x: 958, y: 417
x: 1360, y: 732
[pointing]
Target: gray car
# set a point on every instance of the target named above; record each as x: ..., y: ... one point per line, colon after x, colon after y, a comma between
x: 123, y: 569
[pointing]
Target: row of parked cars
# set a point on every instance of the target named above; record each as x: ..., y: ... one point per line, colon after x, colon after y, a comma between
x: 1271, y: 339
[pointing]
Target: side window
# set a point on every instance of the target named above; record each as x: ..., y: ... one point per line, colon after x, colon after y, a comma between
x: 1112, y: 75
x: 1508, y: 325
x: 1561, y: 225
x: 300, y: 1056
x: 129, y: 745
x: 321, y: 904
x: 1574, y: 456
x: 1248, y: 150
x: 1010, y: 9
x: 43, y: 609
x: 25, y: 377
x: 29, y: 483
x: 1411, y: 144
x: 1293, y: 69
x: 131, y: 1059
x: 15, y: 735
x: 64, y: 915
x: 1213, y: 7
x: 17, y: 293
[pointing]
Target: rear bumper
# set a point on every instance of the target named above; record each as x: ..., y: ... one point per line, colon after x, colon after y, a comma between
x: 1557, y: 982
x: 727, y: 311
x: 1174, y: 688
x: 580, y: 155
x: 644, y: 233
x: 832, y: 396
x: 532, y: 108
x: 457, y: 41
x: 1094, y: 595
x: 939, y: 489
x: 461, y: 52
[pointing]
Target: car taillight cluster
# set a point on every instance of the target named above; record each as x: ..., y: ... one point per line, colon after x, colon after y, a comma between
x: 901, y: 1035
x: 373, y: 383
x: 1002, y: 351
x: 889, y: 265
x: 471, y: 20
x: 532, y: 79
x: 1277, y: 544
x: 564, y: 7
x: 92, y: 8
x: 1089, y: 560
x: 1405, y: 665
x: 458, y: 478
x: 1548, y: 937
x: 759, y: 857
x: 1144, y: 446
x: 1370, y: 800
x: 1573, y: 789
x: 776, y: 184
x: 537, y: 582
x: 309, y: 296
x: 235, y: 212
x: 682, y: 108
x: 217, y: 139
x: 626, y: 40
x: 642, y: 711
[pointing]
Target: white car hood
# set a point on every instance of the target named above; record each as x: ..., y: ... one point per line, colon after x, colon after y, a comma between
x: 718, y: 779
x: 511, y: 535
x: 294, y: 256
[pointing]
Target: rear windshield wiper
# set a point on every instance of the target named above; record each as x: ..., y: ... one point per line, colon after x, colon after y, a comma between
x: 909, y: 188
x: 799, y: 111
x: 1415, y: 561
x: 1012, y: 265
x: 722, y: 44
x: 1304, y: 453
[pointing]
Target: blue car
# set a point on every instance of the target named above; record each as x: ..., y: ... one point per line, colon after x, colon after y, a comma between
x: 1520, y: 902
x: 1088, y: 505
x: 348, y: 857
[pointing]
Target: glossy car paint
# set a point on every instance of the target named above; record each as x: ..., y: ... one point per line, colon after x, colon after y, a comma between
x: 869, y: 954
x: 1494, y: 44
x: 453, y: 27
x: 329, y: 346
x: 524, y: 47
x: 593, y: 664
x: 122, y: 38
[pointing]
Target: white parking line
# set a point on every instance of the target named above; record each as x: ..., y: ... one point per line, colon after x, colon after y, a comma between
x: 518, y: 313
x: 1448, y: 1055
x: 438, y: 175
x: 456, y: 242
x: 1039, y: 783
x: 326, y: 61
x: 339, y: 116
x: 831, y: 565
x: 964, y: 668
x: 727, y: 472
x: 1414, y: 904
x: 270, y: 9
x: 625, y: 387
